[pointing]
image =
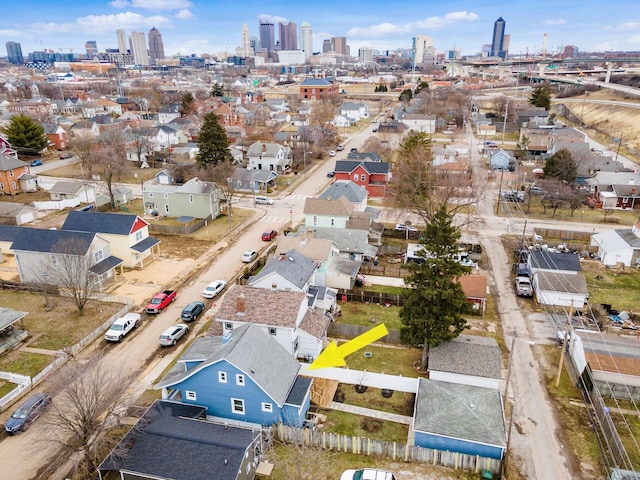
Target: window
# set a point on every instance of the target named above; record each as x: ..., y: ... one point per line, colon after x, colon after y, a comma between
x: 138, y: 235
x: 222, y: 377
x: 190, y: 395
x: 14, y: 185
x: 190, y: 198
x: 11, y: 173
x: 272, y: 331
x: 625, y: 199
x: 315, y: 220
x: 363, y: 177
x: 166, y: 208
x: 267, y: 407
x: 98, y: 256
x: 54, y: 260
x: 166, y: 195
x: 1, y: 186
x: 355, y: 177
x: 237, y: 406
x: 239, y: 379
x: 150, y: 194
x: 295, y: 345
x: 228, y: 326
x: 333, y: 222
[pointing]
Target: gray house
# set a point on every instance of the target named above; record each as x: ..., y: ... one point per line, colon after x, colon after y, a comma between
x: 269, y: 156
x: 195, y: 199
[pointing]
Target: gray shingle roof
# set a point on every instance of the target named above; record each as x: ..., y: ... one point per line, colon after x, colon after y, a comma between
x: 345, y: 188
x: 345, y: 239
x: 460, y: 411
x: 562, y: 282
x: 257, y: 354
x: 293, y: 267
x: 9, y: 163
x: 371, y: 167
x: 467, y: 355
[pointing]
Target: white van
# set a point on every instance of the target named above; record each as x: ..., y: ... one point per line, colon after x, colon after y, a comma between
x: 260, y: 200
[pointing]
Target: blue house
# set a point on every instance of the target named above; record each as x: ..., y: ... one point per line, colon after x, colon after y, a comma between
x: 459, y: 418
x: 500, y: 160
x: 245, y: 377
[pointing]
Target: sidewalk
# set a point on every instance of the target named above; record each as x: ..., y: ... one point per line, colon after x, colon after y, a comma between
x: 367, y: 412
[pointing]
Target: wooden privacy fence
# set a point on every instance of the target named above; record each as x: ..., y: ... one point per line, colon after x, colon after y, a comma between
x: 382, y: 448
x: 342, y: 330
x: 363, y: 296
x: 177, y: 229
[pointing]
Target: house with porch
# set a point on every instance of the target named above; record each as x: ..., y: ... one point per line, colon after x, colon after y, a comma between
x: 247, y: 180
x: 128, y: 235
x: 269, y: 156
x: 41, y: 256
x: 500, y: 160
x: 615, y: 190
x: 233, y: 376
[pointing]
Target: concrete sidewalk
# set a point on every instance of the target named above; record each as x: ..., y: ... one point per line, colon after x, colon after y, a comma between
x: 367, y: 412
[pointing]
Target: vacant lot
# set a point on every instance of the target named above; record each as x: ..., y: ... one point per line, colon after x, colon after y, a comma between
x: 616, y: 287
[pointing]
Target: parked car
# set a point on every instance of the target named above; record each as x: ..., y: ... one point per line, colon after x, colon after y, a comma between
x: 331, y: 174
x: 367, y: 474
x: 26, y: 413
x: 122, y: 326
x: 161, y: 301
x: 66, y: 155
x: 536, y: 191
x: 249, y: 256
x: 191, y: 311
x: 172, y: 334
x: 523, y: 287
x: 354, y: 150
x: 332, y: 153
x: 260, y: 200
x: 36, y: 163
x: 269, y: 235
x: 340, y: 147
x: 214, y: 288
x: 375, y: 130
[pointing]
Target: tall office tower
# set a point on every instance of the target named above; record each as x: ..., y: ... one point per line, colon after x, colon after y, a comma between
x: 267, y: 36
x: 421, y: 45
x: 245, y: 49
x: 254, y: 42
x: 139, y: 48
x: 122, y: 41
x: 327, y: 46
x: 91, y: 47
x: 340, y: 45
x: 14, y: 53
x: 288, y: 36
x: 365, y: 54
x: 306, y: 40
x: 497, y: 41
x: 156, y: 47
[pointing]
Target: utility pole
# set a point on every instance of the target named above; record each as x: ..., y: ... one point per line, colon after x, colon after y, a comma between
x: 504, y: 123
x: 506, y: 392
x: 499, y: 192
x: 564, y: 344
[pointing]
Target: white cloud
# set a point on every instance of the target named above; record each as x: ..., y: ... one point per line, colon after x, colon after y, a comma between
x: 12, y: 33
x: 432, y: 23
x: 635, y: 39
x: 152, y: 4
x: 622, y: 26
x: 606, y: 46
x: 265, y: 17
x: 185, y: 15
x: 554, y: 21
x: 102, y: 23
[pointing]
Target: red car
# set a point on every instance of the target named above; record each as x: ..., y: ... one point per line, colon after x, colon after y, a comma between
x: 269, y: 235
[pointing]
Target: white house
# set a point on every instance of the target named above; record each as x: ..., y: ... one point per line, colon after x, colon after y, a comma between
x: 419, y: 122
x: 319, y: 212
x: 269, y: 156
x: 618, y: 246
x: 355, y: 111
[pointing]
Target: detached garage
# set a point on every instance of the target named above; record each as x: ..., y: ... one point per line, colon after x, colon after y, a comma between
x: 560, y: 289
x: 16, y: 213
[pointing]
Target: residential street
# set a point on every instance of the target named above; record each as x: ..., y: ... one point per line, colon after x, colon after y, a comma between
x: 535, y: 446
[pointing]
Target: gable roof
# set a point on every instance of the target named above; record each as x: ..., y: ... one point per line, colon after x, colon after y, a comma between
x: 474, y: 286
x: 101, y: 222
x: 51, y: 241
x: 562, y: 282
x: 315, y: 324
x: 292, y: 266
x: 467, y: 355
x: 257, y: 149
x: 9, y: 163
x: 345, y: 239
x: 253, y: 351
x: 345, y: 188
x: 321, y: 206
x: 314, y: 248
x: 8, y: 233
x: 172, y: 441
x: 317, y: 82
x: 460, y: 411
x: 68, y: 187
x: 364, y: 156
x: 370, y: 167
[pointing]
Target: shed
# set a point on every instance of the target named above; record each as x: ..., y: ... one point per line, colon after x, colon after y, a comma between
x: 560, y: 289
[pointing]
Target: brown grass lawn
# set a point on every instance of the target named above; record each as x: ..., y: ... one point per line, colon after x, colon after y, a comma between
x: 584, y: 214
x: 369, y: 314
x: 617, y: 287
x: 60, y: 327
x: 131, y: 175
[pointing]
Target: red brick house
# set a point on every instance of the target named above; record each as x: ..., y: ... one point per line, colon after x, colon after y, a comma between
x: 57, y: 136
x: 373, y: 176
x: 10, y: 169
x: 318, y: 88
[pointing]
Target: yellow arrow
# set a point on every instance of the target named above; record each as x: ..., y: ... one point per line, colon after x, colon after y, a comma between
x: 333, y: 355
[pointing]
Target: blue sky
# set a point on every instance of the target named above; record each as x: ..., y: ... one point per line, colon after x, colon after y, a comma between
x: 193, y: 26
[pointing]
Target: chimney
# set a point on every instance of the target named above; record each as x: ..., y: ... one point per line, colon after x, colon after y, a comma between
x: 633, y: 191
x: 264, y: 147
x: 309, y: 233
x: 241, y: 305
x: 283, y: 256
x: 274, y: 286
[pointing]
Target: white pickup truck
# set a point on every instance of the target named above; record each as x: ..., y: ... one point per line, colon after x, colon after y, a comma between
x: 524, y: 287
x: 122, y: 326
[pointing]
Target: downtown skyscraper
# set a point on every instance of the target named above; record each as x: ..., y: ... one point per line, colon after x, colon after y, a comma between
x: 138, y: 47
x: 267, y: 36
x: 288, y: 36
x: 156, y: 47
x: 14, y: 53
x: 497, y: 41
x: 306, y: 40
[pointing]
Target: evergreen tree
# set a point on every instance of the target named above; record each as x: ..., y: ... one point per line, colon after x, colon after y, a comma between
x: 434, y: 300
x: 188, y: 104
x: 26, y: 135
x: 217, y: 90
x: 421, y: 86
x: 562, y: 166
x: 406, y: 95
x: 541, y: 97
x: 213, y: 142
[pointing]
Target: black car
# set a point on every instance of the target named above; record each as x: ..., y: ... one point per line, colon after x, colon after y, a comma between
x: 30, y: 409
x: 331, y: 174
x: 191, y: 311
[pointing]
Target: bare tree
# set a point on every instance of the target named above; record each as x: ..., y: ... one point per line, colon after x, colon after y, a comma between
x: 141, y: 143
x: 110, y: 158
x: 220, y: 174
x: 85, y: 409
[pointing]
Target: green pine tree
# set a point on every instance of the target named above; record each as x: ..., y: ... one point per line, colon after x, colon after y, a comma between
x: 26, y: 135
x: 213, y: 142
x: 434, y: 300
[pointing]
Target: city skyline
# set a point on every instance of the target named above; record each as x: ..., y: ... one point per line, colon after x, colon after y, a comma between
x: 197, y: 27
